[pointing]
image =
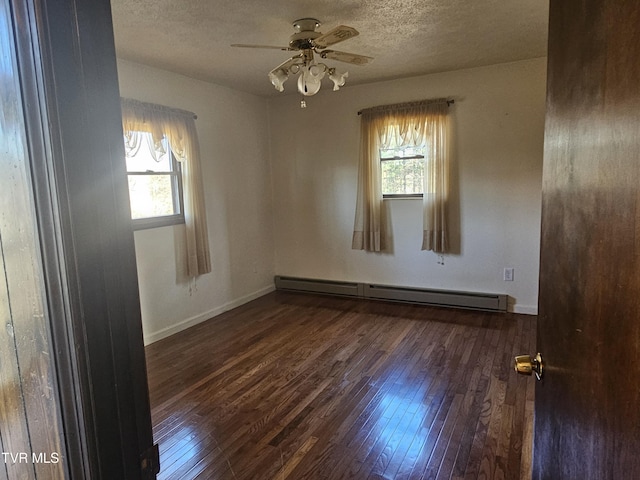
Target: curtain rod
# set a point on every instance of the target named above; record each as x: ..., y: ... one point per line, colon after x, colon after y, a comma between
x: 448, y: 101
x: 155, y: 106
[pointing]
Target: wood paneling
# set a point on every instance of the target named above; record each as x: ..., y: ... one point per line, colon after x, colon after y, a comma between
x: 301, y: 386
x: 588, y: 406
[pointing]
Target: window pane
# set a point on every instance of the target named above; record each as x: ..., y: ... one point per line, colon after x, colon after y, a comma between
x: 402, y: 176
x: 151, y: 196
x: 144, y: 161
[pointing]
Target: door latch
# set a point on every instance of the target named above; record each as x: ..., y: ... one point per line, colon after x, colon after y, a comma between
x: 527, y: 365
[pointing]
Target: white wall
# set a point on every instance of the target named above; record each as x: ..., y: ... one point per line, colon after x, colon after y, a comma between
x: 498, y: 120
x: 233, y: 134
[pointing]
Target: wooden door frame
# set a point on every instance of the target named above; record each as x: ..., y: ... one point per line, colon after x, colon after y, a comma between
x: 68, y: 75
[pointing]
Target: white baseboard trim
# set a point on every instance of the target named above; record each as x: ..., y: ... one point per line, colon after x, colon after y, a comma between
x: 190, y: 322
x: 526, y: 309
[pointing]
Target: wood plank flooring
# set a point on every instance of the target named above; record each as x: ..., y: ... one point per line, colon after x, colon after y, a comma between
x: 294, y: 386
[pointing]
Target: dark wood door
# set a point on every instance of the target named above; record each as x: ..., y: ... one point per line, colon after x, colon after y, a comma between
x: 30, y: 417
x: 68, y: 167
x: 587, y: 413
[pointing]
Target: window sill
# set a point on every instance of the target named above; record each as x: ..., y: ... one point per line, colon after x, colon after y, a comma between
x: 412, y: 196
x: 157, y: 222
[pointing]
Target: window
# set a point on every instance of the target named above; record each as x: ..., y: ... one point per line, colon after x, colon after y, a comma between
x: 155, y: 183
x: 403, y: 152
x: 402, y: 172
x: 168, y: 134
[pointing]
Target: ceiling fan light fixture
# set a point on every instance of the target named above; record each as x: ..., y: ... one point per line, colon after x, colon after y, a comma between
x: 337, y: 78
x: 310, y: 79
x: 309, y: 41
x: 294, y: 69
x: 278, y: 77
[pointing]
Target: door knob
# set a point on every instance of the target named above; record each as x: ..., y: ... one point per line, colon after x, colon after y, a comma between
x: 526, y: 365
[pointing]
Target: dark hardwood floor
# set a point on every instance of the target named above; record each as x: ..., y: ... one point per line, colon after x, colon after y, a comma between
x: 294, y: 386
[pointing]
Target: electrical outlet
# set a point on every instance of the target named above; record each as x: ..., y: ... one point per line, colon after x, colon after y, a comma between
x: 508, y: 274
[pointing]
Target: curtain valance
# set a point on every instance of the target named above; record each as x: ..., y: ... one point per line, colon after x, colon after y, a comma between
x: 178, y: 126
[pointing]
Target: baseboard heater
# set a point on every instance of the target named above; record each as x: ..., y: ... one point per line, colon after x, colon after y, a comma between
x: 330, y: 287
x: 443, y: 298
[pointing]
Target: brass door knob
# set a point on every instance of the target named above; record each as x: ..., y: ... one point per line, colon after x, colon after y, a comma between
x: 527, y: 365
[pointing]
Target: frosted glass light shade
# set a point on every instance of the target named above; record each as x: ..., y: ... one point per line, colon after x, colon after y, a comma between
x: 278, y: 77
x: 310, y: 79
x: 338, y: 79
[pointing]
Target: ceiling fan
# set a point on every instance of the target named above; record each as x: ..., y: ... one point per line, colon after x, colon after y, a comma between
x: 308, y: 41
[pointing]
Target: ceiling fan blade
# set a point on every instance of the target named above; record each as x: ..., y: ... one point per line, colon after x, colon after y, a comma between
x: 243, y: 45
x: 338, y: 34
x: 346, y: 57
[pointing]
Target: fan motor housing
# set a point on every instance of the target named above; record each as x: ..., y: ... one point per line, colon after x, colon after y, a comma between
x: 306, y: 24
x: 305, y: 32
x: 303, y: 40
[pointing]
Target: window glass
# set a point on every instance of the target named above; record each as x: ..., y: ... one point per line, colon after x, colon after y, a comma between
x: 402, y: 171
x: 151, y: 196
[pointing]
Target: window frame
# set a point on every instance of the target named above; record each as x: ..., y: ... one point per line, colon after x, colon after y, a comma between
x: 395, y: 157
x: 177, y: 192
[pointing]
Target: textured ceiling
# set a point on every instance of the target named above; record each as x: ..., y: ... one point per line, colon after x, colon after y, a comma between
x: 405, y: 37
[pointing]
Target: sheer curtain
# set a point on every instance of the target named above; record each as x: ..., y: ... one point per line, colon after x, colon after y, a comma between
x: 424, y: 123
x: 179, y: 128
